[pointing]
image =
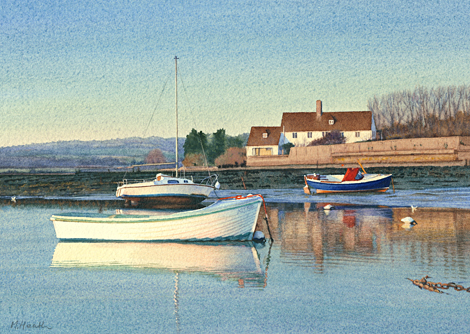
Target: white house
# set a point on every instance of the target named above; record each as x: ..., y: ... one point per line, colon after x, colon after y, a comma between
x: 265, y: 140
x: 301, y: 128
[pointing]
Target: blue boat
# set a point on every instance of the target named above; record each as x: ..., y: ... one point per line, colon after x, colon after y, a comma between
x: 352, y: 181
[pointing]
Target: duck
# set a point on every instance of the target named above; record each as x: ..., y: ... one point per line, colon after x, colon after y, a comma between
x: 328, y: 207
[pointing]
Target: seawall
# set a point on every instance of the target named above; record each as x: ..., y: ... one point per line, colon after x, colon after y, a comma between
x: 442, y: 151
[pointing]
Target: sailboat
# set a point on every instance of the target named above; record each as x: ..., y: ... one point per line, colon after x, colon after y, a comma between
x: 166, y: 191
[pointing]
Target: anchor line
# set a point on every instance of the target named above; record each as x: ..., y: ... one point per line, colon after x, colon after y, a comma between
x: 423, y: 283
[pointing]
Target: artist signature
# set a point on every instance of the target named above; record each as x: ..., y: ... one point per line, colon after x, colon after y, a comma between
x: 28, y: 325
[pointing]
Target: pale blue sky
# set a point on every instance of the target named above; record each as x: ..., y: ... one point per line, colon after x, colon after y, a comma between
x: 92, y: 70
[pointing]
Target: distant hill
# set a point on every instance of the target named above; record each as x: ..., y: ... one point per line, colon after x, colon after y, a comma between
x: 95, y: 153
x: 72, y: 154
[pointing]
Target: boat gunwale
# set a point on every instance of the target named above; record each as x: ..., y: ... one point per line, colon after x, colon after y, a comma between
x: 377, y: 177
x: 151, y: 184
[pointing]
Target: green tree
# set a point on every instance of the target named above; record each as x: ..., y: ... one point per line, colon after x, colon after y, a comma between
x: 286, y: 147
x: 195, y: 143
x: 218, y: 145
x: 237, y: 141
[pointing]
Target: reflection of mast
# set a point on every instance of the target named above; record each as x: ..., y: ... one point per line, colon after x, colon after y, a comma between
x: 268, y: 259
x: 176, y: 300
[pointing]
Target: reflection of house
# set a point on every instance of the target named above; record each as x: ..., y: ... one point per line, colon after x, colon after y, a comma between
x: 301, y: 128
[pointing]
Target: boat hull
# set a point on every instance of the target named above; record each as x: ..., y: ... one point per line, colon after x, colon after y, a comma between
x: 377, y: 183
x: 223, y: 220
x: 166, y: 195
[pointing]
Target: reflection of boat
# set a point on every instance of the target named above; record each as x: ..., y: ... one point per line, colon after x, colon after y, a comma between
x: 352, y: 181
x: 234, y: 261
x: 228, y: 219
x: 164, y: 190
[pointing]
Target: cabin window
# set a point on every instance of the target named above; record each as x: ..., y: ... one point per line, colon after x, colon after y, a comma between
x: 173, y: 181
x: 294, y: 135
x: 265, y: 135
x: 185, y: 181
x: 309, y: 135
x: 331, y: 122
x: 358, y: 134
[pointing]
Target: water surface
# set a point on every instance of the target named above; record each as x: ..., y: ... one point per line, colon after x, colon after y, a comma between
x: 342, y: 270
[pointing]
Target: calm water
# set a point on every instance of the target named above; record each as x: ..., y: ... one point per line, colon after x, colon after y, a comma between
x: 342, y: 270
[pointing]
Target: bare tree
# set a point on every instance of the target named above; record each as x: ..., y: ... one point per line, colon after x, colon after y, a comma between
x: 422, y: 112
x: 155, y: 156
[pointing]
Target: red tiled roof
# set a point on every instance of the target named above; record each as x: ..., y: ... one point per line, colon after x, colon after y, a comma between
x: 343, y: 121
x: 256, y: 136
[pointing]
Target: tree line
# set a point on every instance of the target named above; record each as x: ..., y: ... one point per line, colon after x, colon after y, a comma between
x: 201, y: 149
x: 422, y: 112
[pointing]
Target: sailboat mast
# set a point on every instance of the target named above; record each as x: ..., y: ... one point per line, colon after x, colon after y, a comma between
x: 176, y: 110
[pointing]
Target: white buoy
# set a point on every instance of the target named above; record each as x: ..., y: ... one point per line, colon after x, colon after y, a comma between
x: 408, y: 223
x: 409, y: 220
x: 407, y: 226
x: 258, y: 236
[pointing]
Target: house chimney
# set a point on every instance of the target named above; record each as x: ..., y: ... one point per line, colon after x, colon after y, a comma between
x: 319, y: 108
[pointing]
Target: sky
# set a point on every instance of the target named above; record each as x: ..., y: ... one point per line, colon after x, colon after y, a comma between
x: 97, y: 70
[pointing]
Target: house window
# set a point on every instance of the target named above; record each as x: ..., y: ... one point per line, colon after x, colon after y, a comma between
x: 342, y: 134
x: 358, y: 134
x: 265, y: 135
x: 262, y: 151
x: 266, y: 151
x: 323, y: 134
x: 331, y: 122
x: 309, y: 134
x: 294, y: 135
